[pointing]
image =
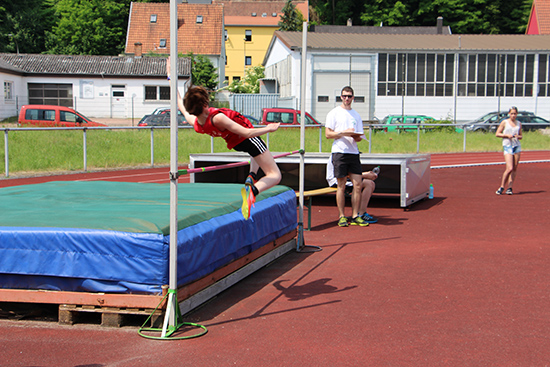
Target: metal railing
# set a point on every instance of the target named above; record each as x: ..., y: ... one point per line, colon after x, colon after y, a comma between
x: 369, y: 130
x: 84, y: 137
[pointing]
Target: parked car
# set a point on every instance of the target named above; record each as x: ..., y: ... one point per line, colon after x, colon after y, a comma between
x: 252, y: 119
x: 405, y: 123
x: 528, y: 122
x: 53, y: 116
x: 162, y: 119
x: 286, y: 116
x: 490, y: 121
x: 158, y: 111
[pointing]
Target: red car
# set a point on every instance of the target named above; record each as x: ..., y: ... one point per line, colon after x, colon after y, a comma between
x: 53, y: 116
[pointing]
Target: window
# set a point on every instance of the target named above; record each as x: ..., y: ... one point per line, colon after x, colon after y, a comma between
x: 284, y: 117
x: 153, y: 18
x: 226, y: 37
x: 51, y: 94
x: 544, y: 76
x: 476, y: 75
x: 490, y: 75
x: 248, y: 60
x: 46, y: 115
x: 8, y: 91
x: 199, y: 19
x: 157, y: 93
x: 322, y: 99
x: 248, y: 35
x: 162, y: 43
x: 67, y: 116
x: 236, y: 78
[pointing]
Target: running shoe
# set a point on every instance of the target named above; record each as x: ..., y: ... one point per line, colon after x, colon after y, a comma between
x: 249, y: 199
x: 509, y: 191
x: 343, y: 222
x: 249, y: 181
x: 358, y: 221
x: 368, y: 218
x: 500, y: 191
x: 245, y: 209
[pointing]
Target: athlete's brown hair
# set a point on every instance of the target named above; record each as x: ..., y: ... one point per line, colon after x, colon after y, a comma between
x: 196, y: 99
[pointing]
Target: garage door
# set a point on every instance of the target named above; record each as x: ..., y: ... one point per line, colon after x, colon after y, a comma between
x: 328, y: 85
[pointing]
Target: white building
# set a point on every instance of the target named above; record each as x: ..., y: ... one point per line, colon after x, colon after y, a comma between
x: 456, y: 77
x: 96, y: 86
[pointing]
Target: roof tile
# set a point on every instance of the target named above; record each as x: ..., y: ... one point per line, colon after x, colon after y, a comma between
x: 93, y: 65
x: 542, y: 8
x: 204, y: 38
x: 378, y: 42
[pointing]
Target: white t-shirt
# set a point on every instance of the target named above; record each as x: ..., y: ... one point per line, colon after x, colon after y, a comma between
x: 340, y: 119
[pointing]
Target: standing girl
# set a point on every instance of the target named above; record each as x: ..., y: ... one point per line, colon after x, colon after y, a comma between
x: 510, y: 132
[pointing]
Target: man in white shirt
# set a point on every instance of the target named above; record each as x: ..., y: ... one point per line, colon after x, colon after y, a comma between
x: 367, y: 188
x: 344, y: 125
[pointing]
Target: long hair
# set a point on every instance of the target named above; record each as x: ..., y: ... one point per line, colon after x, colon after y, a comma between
x: 196, y: 99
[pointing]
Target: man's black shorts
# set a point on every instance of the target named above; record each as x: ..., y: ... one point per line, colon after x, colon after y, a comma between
x: 345, y: 164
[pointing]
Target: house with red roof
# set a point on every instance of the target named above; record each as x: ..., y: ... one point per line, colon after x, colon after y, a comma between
x: 233, y: 34
x: 200, y: 31
x: 539, y: 18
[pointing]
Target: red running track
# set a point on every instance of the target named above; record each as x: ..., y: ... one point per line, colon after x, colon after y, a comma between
x: 160, y: 175
x: 460, y: 280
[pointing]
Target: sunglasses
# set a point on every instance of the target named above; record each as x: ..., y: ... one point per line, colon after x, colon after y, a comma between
x: 346, y: 96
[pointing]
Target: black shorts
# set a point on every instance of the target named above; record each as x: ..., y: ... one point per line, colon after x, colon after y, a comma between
x: 346, y: 164
x: 253, y: 146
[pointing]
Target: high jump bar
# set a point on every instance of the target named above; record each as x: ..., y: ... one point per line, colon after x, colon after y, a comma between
x: 230, y: 165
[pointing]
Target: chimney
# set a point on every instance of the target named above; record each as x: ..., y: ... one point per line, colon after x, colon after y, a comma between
x: 349, y: 22
x: 137, y: 49
x: 439, y: 25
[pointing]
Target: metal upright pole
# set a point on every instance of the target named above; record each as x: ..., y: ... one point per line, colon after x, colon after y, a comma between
x: 170, y: 318
x: 6, y: 154
x: 300, y: 244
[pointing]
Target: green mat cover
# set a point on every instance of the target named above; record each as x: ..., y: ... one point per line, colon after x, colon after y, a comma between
x: 118, y: 206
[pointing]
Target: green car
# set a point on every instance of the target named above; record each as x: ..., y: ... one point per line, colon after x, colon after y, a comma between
x: 395, y: 122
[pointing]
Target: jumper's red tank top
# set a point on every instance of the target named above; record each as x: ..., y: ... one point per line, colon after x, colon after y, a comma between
x: 210, y: 129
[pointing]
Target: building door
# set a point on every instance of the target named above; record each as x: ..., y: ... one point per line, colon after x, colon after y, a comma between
x: 118, y: 101
x: 327, y: 88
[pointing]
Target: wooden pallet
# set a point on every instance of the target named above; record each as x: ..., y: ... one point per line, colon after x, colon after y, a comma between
x: 110, y: 316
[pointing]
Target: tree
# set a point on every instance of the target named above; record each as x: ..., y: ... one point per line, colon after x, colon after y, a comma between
x: 89, y: 27
x: 388, y: 13
x: 250, y: 83
x: 23, y: 25
x: 337, y: 12
x: 463, y: 16
x: 203, y: 71
x: 292, y: 19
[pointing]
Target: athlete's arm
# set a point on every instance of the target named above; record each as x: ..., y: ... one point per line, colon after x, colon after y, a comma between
x: 223, y: 122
